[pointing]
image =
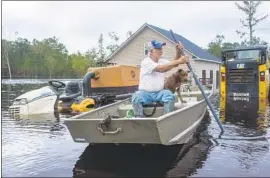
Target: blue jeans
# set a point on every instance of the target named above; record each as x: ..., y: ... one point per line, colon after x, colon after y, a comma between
x: 143, y: 97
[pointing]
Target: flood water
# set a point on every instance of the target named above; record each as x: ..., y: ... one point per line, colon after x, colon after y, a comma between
x: 44, y: 147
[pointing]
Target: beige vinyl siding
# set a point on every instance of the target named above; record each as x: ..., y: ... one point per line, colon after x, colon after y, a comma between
x: 133, y: 52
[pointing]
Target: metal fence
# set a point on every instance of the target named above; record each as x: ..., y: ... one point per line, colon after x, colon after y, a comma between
x: 206, y: 81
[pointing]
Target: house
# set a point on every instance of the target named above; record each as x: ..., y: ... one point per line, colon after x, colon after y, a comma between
x: 133, y: 50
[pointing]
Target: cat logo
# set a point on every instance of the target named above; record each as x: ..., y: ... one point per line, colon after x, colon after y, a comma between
x: 240, y: 66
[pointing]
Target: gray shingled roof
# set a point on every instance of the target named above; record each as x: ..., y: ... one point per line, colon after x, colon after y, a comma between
x: 193, y: 48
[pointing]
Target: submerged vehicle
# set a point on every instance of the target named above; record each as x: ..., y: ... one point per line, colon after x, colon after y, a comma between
x: 244, y: 75
x: 100, y: 86
x: 115, y: 124
x: 248, y: 114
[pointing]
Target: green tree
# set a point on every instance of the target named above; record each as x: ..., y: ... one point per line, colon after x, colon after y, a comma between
x: 215, y: 46
x: 49, y: 57
x: 55, y: 56
x: 5, y: 64
x: 114, y: 40
x: 227, y: 45
x: 90, y: 57
x: 79, y: 64
x: 101, y: 51
x: 92, y: 54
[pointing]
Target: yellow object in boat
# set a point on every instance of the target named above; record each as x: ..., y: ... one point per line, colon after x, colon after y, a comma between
x: 83, y: 105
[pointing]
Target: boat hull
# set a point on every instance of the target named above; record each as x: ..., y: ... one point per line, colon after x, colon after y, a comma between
x: 173, y: 128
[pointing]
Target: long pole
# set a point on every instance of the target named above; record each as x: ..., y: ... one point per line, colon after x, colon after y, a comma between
x: 199, y: 85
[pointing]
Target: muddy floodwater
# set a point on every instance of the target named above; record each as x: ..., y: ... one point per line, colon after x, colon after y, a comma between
x: 44, y: 147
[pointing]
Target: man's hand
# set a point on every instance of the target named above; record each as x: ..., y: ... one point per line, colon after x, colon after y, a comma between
x: 179, y: 50
x: 179, y: 46
x: 183, y: 59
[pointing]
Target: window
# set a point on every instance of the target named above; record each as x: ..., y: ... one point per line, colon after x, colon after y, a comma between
x: 245, y: 54
x: 211, y: 77
x: 145, y: 50
x: 249, y: 54
x: 203, y: 77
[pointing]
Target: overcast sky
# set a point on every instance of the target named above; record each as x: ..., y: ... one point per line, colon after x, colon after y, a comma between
x: 79, y: 24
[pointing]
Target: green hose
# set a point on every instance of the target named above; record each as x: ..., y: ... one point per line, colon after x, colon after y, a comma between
x: 129, y: 113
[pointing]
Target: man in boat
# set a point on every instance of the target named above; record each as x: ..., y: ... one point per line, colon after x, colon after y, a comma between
x: 151, y: 84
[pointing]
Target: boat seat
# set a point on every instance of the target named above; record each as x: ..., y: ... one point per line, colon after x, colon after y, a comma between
x: 69, y: 97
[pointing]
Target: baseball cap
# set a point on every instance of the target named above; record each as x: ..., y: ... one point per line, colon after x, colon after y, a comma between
x: 155, y: 44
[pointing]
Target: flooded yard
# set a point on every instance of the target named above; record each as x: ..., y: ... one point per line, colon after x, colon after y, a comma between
x: 44, y: 147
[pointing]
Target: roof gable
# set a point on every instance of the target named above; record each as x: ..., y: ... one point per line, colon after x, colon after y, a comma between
x: 191, y: 47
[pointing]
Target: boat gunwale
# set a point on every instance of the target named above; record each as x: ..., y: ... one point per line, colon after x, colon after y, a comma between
x: 168, y: 115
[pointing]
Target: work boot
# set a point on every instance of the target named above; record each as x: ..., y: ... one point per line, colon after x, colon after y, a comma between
x: 168, y: 107
x: 138, y: 110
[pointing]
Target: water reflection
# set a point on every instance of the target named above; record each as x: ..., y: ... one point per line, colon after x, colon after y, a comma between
x: 245, y: 144
x: 126, y: 160
x: 251, y: 118
x: 38, y: 146
x: 144, y: 161
x: 248, y: 153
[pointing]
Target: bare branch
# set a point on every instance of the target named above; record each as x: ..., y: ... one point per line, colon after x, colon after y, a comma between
x: 256, y: 21
x: 251, y: 20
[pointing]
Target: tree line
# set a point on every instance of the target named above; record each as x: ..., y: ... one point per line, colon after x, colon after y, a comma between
x: 49, y: 58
